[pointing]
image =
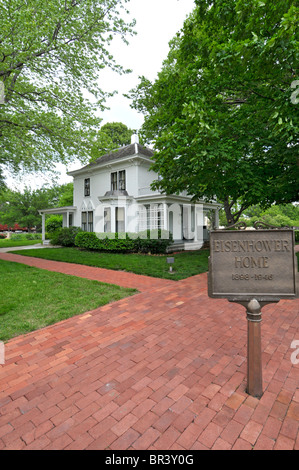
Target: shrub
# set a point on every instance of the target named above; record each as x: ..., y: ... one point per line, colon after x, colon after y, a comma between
x: 87, y: 240
x: 17, y: 236
x: 65, y: 236
x: 25, y: 236
x: 53, y: 223
x: 297, y: 235
x: 33, y: 236
x: 125, y: 242
x: 154, y: 241
x: 2, y: 236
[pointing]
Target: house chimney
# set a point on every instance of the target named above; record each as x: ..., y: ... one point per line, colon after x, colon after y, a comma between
x: 135, y: 140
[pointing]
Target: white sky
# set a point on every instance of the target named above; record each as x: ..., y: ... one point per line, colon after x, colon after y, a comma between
x: 157, y: 22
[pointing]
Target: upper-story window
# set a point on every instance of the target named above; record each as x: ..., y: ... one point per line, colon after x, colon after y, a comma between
x: 118, y: 180
x: 87, y: 187
x: 114, y: 181
x: 122, y: 180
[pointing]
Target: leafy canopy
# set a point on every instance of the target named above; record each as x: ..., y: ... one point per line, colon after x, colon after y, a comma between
x: 111, y: 136
x: 223, y: 113
x: 22, y: 207
x: 51, y: 55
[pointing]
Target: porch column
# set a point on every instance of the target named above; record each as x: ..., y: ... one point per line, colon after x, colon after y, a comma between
x: 216, y: 218
x: 67, y: 219
x: 43, y: 227
x: 165, y: 214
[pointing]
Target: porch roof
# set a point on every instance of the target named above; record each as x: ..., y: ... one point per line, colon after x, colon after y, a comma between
x: 58, y: 210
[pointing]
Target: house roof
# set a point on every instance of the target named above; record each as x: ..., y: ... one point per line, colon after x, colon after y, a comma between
x: 127, y: 151
x: 123, y: 152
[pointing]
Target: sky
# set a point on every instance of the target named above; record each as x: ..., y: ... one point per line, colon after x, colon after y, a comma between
x: 157, y: 22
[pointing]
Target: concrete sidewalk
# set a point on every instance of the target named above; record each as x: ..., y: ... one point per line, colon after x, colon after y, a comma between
x: 164, y: 369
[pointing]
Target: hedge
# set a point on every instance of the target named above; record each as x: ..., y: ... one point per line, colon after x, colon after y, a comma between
x: 125, y: 242
x: 65, y: 236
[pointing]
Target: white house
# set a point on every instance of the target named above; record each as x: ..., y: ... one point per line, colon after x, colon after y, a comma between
x: 113, y: 194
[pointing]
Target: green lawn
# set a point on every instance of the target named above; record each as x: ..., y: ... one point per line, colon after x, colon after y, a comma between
x: 186, y: 263
x: 8, y: 243
x: 32, y: 298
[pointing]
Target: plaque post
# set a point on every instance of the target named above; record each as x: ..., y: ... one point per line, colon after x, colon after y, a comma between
x: 253, y: 268
x: 254, y: 350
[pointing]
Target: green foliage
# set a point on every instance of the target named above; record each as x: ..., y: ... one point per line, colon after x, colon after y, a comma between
x: 66, y: 195
x: 53, y: 223
x: 277, y: 215
x: 52, y: 53
x: 25, y: 236
x: 22, y: 207
x: 121, y: 243
x: 65, y: 236
x: 111, y: 136
x: 220, y: 112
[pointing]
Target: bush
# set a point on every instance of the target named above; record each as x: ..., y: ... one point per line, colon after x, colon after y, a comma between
x: 297, y: 235
x: 125, y: 242
x: 53, y: 223
x: 33, y: 236
x: 65, y: 236
x: 2, y: 236
x: 25, y: 236
x: 101, y: 242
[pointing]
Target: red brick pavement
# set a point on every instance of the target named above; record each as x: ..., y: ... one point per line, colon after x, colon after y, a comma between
x: 164, y: 369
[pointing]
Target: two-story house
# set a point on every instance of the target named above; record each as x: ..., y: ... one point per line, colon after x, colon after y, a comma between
x: 113, y: 194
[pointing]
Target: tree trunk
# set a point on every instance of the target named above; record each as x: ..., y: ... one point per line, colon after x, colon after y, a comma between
x: 232, y: 218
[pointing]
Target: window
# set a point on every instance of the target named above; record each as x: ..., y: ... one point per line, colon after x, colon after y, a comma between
x: 118, y: 180
x: 107, y: 219
x: 87, y: 187
x: 122, y: 180
x: 90, y: 221
x: 84, y: 221
x: 114, y: 181
x: 151, y: 217
x: 119, y: 219
x: 87, y: 221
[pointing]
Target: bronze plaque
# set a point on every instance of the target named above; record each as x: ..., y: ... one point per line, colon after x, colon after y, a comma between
x: 247, y: 264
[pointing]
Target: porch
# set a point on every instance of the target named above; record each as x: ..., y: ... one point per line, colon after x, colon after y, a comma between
x: 67, y: 212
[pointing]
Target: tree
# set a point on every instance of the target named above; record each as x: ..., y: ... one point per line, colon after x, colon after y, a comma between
x: 111, y: 136
x: 119, y: 133
x: 222, y: 112
x: 51, y: 55
x: 276, y: 215
x: 22, y: 207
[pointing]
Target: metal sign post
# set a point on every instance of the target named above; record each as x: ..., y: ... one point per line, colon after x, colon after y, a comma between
x: 253, y: 268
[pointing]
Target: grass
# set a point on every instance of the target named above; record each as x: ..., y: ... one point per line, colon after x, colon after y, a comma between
x: 6, y: 243
x: 32, y: 298
x: 186, y: 264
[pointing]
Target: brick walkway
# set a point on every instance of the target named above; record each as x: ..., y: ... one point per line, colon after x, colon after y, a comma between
x: 164, y: 369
